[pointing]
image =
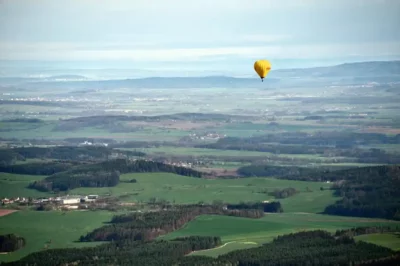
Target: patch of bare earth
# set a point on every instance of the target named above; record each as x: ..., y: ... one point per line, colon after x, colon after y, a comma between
x: 6, y: 212
x: 219, y: 172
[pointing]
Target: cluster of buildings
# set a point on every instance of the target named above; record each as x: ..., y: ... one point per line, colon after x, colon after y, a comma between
x: 179, y: 163
x: 64, y: 200
x: 88, y: 143
x: 205, y: 136
x: 5, y: 201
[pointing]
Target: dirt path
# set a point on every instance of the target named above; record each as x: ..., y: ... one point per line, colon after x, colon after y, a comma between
x: 247, y: 243
x: 6, y: 212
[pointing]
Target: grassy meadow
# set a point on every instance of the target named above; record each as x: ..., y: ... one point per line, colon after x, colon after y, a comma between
x: 12, y: 185
x: 237, y: 232
x: 300, y: 211
x: 182, y: 189
x: 48, y: 130
x: 38, y: 228
x: 388, y: 240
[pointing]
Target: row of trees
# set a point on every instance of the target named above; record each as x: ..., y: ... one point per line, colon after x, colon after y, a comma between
x: 147, y: 226
x: 284, y: 193
x: 283, y: 172
x: 274, y: 206
x: 65, y: 181
x: 140, y: 166
x: 356, y: 231
x: 319, y: 174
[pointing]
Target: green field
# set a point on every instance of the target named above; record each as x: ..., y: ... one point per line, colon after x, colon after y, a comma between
x: 12, y: 185
x: 202, y: 152
x: 245, y: 129
x: 234, y: 153
x: 46, y: 130
x: 387, y: 240
x: 33, y: 161
x: 236, y: 233
x: 225, y: 248
x: 244, y: 232
x: 40, y: 227
x: 182, y: 189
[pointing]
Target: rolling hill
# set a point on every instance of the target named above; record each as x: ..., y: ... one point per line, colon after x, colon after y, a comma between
x: 343, y: 74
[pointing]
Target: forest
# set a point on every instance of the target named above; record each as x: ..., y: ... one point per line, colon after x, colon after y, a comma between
x: 40, y: 168
x: 64, y: 152
x: 122, y: 253
x: 320, y: 174
x: 336, y: 144
x: 365, y: 191
x: 284, y: 193
x: 303, y: 248
x: 114, y: 123
x: 149, y: 225
x: 9, y: 156
x: 65, y: 181
x: 283, y: 172
x: 11, y: 242
x: 103, y: 174
x: 308, y: 248
x: 274, y: 206
x: 368, y: 192
x: 356, y: 231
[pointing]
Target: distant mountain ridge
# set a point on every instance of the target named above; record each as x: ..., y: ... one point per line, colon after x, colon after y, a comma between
x: 343, y: 74
x: 67, y: 77
x: 356, y: 69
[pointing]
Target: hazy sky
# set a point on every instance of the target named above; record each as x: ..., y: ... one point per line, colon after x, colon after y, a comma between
x: 205, y: 32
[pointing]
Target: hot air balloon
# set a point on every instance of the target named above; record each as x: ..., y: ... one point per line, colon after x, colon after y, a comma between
x: 262, y: 67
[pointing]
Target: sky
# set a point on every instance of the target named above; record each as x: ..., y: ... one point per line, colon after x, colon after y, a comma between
x: 207, y: 34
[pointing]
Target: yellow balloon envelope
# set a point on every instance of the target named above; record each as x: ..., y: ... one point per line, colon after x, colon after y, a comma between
x: 262, y: 67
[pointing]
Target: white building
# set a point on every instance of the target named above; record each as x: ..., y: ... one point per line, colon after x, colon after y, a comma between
x: 90, y: 198
x: 70, y: 201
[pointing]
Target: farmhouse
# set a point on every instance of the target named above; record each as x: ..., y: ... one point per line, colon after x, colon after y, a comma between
x: 90, y: 198
x: 67, y: 200
x: 5, y: 201
x: 70, y: 201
